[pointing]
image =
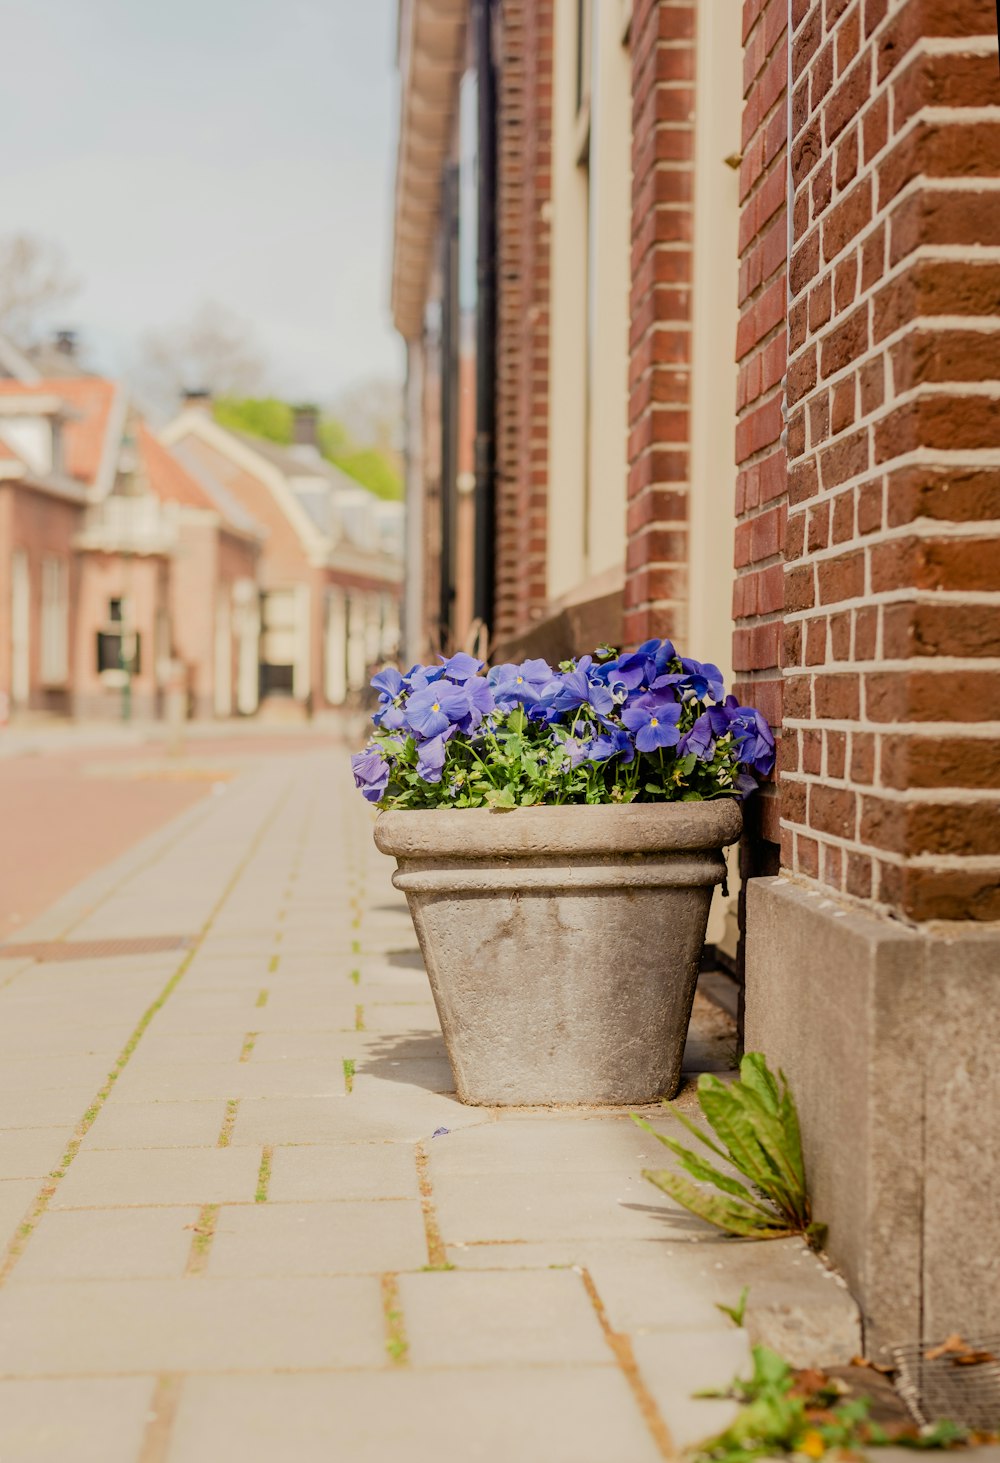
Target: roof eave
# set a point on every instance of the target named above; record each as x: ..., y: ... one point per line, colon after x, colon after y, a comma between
x: 431, y: 55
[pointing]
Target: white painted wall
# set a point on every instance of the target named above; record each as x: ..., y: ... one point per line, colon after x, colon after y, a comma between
x: 715, y: 313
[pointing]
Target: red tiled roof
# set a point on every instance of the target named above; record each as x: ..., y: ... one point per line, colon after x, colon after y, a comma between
x: 171, y: 482
x: 91, y: 398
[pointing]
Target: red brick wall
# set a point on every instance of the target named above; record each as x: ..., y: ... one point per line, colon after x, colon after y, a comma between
x: 523, y: 245
x: 761, y: 483
x: 891, y: 788
x: 663, y: 76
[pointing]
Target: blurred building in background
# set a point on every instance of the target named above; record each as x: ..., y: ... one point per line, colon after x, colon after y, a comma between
x: 701, y: 311
x: 330, y: 575
x: 230, y: 574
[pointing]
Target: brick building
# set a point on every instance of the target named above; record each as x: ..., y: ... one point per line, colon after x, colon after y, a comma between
x: 725, y: 278
x: 241, y: 575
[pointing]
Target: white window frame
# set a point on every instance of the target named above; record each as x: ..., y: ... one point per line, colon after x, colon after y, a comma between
x: 55, y: 622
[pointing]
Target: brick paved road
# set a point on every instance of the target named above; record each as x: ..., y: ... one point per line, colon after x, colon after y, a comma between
x: 228, y: 1229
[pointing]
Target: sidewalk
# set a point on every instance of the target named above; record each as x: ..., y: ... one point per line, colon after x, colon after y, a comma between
x: 246, y: 1221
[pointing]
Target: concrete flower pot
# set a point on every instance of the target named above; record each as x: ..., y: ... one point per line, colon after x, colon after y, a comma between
x: 562, y: 943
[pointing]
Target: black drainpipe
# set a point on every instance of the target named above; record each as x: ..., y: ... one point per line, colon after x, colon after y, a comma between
x: 486, y: 312
x: 449, y: 405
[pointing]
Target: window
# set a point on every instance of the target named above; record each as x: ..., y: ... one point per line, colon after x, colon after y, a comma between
x: 117, y: 651
x: 55, y: 621
x: 584, y: 40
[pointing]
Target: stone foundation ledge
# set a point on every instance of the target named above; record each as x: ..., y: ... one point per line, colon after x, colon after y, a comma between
x: 889, y: 1036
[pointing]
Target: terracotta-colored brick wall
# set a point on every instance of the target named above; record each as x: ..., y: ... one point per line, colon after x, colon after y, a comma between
x: 40, y: 526
x: 523, y: 244
x: 892, y: 691
x: 663, y: 102
x: 144, y: 579
x: 761, y: 482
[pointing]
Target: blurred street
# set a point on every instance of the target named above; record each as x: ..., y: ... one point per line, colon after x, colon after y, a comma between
x: 241, y: 1214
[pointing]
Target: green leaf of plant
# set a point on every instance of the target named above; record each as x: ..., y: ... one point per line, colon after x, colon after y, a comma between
x: 755, y: 1074
x: 756, y: 1142
x: 789, y: 1115
x: 686, y: 1122
x: 707, y: 1174
x: 739, y: 1310
x: 727, y: 1214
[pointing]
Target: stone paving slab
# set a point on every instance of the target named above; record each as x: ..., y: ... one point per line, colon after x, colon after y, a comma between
x: 159, y: 1176
x: 516, y: 1317
x: 343, y: 1171
x: 552, y: 1415
x: 198, y: 1324
x: 74, y: 1420
x: 156, y: 1125
x: 578, y: 1205
x: 345, y: 1237
x: 31, y: 1152
x: 109, y: 1244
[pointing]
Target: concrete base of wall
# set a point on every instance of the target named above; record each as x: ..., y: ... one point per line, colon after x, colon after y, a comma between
x: 889, y: 1037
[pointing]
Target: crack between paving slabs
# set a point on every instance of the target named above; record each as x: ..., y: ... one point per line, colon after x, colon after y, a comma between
x: 621, y: 1348
x: 201, y: 1239
x: 396, y: 1343
x: 46, y: 1193
x: 437, y: 1255
x: 162, y: 1413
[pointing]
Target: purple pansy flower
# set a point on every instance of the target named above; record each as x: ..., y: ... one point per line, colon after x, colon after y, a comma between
x: 430, y: 757
x: 572, y: 689
x: 754, y: 739
x: 704, y: 678
x: 480, y: 703
x: 390, y: 687
x: 653, y: 720
x: 432, y: 709
x: 640, y: 667
x: 519, y: 685
x: 699, y: 740
x: 419, y: 676
x: 460, y: 667
x: 371, y: 773
x: 613, y: 743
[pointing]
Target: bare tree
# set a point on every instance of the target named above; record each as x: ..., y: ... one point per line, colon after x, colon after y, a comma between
x: 34, y: 278
x: 372, y: 412
x: 213, y: 350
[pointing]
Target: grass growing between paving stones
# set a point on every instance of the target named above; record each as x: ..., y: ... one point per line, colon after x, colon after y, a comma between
x: 355, y: 947
x: 359, y: 1018
x: 396, y: 1343
x: 437, y: 1255
x: 228, y: 1123
x: 201, y: 1243
x: 272, y: 964
x: 349, y: 1074
x: 262, y: 998
x: 355, y: 977
x: 264, y: 1176
x: 249, y: 1042
x: 44, y: 1196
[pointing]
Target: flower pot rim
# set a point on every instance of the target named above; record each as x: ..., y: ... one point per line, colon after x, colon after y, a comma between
x: 571, y: 829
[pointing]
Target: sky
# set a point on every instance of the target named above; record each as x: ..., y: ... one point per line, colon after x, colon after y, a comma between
x: 233, y: 151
